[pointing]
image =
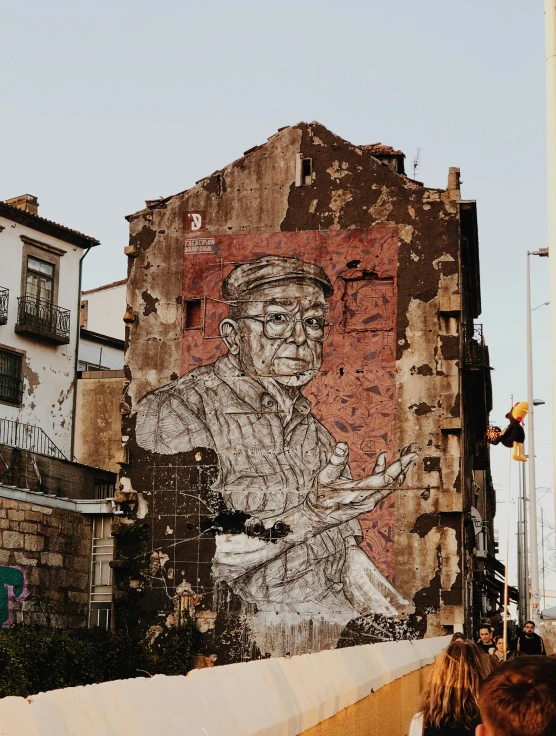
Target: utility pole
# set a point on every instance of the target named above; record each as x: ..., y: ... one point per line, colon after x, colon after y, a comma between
x: 525, y: 543
x: 520, y: 557
x: 550, y: 46
x: 534, y: 599
x: 542, y: 548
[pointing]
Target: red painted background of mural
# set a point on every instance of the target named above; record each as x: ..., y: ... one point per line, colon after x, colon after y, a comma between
x: 354, y: 393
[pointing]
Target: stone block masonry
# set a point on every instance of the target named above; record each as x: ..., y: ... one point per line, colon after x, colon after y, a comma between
x: 51, y: 548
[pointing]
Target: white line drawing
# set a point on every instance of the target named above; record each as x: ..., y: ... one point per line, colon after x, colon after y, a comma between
x: 298, y: 550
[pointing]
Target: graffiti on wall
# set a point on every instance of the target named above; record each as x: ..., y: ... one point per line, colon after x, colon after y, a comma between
x: 13, y: 587
x: 283, y: 424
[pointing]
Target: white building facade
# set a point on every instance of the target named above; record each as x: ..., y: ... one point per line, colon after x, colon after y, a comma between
x: 39, y: 327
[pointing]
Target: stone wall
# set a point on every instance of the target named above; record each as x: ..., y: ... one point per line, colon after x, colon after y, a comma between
x: 46, y: 553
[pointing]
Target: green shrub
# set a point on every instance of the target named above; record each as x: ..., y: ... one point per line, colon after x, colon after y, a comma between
x: 36, y: 660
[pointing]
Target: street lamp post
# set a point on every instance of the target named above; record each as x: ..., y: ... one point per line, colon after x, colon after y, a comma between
x: 534, y: 599
x: 550, y: 47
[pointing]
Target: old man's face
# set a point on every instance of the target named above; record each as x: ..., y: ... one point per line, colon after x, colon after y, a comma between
x: 279, y: 333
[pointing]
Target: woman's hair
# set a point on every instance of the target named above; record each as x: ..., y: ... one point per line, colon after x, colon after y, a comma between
x: 450, y: 699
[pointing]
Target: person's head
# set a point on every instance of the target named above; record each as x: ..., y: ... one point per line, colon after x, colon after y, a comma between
x: 500, y: 645
x: 529, y: 628
x: 450, y: 698
x: 485, y: 632
x: 458, y: 636
x: 277, y: 321
x: 519, y: 698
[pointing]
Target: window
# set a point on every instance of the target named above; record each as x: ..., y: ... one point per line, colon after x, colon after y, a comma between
x: 193, y: 314
x: 101, y: 573
x: 84, y: 314
x: 39, y: 283
x: 303, y: 171
x: 11, y: 369
x: 307, y: 171
x: 103, y: 489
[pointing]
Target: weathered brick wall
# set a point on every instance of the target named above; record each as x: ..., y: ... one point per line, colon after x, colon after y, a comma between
x: 52, y: 548
x: 24, y: 469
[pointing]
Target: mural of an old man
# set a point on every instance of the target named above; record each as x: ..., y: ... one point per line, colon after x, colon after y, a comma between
x: 298, y: 552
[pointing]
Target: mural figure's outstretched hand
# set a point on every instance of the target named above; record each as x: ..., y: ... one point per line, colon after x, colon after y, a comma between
x: 334, y: 489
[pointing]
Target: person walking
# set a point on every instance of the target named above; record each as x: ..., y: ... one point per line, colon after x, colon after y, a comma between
x: 449, y: 704
x: 528, y: 642
x: 486, y: 642
x: 498, y: 653
x: 519, y: 699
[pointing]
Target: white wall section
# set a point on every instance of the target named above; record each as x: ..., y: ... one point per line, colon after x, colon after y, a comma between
x: 270, y: 697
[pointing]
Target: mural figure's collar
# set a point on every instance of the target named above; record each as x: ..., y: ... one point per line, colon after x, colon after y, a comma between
x: 260, y: 398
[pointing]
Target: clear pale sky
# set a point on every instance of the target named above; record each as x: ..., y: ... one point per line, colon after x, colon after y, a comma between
x: 106, y: 104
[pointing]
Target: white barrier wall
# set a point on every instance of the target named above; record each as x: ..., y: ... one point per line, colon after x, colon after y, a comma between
x: 270, y: 697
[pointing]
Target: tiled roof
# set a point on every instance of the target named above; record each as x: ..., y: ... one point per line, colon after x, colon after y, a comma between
x: 41, y: 224
x: 105, y: 286
x: 378, y: 149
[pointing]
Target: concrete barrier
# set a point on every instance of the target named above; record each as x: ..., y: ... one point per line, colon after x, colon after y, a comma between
x: 270, y: 697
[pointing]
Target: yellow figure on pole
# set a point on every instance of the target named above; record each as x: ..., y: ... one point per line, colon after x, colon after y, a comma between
x: 513, y: 435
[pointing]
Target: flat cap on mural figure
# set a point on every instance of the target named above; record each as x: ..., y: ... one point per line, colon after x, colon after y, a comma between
x: 277, y: 463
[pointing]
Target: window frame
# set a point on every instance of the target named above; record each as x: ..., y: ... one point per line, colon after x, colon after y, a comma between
x: 22, y: 355
x: 46, y: 254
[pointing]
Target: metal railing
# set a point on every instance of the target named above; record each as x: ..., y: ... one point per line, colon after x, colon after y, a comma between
x: 475, y: 351
x: 4, y: 297
x: 40, y: 314
x: 28, y: 437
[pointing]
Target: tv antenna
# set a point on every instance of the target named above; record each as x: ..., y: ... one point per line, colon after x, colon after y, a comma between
x: 416, y: 162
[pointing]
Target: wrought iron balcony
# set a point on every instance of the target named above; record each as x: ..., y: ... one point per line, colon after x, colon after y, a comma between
x: 4, y: 296
x: 28, y: 437
x: 475, y: 351
x: 43, y: 319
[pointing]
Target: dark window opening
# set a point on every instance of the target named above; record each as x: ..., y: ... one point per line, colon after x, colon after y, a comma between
x: 193, y: 318
x: 307, y: 171
x: 104, y: 490
x: 11, y: 383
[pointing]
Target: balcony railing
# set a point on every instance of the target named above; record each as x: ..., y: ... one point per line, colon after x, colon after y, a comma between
x: 28, y: 437
x: 475, y: 351
x: 4, y: 296
x: 42, y: 318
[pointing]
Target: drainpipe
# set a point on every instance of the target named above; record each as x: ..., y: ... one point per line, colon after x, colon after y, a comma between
x: 78, y: 335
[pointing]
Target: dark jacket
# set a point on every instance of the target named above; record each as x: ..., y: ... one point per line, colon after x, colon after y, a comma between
x: 530, y: 644
x: 450, y: 731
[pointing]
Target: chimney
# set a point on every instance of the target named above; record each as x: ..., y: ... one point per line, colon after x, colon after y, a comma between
x: 25, y: 202
x: 453, y: 179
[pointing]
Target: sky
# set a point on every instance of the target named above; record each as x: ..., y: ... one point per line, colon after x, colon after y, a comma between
x: 106, y: 104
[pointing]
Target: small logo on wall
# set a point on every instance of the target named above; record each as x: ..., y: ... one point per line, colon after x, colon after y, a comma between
x: 195, y: 221
x: 13, y: 586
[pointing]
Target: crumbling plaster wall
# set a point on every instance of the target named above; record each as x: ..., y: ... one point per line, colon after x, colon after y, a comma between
x: 48, y: 370
x: 350, y: 189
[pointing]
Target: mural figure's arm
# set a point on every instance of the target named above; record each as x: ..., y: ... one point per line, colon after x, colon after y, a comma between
x: 336, y: 499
